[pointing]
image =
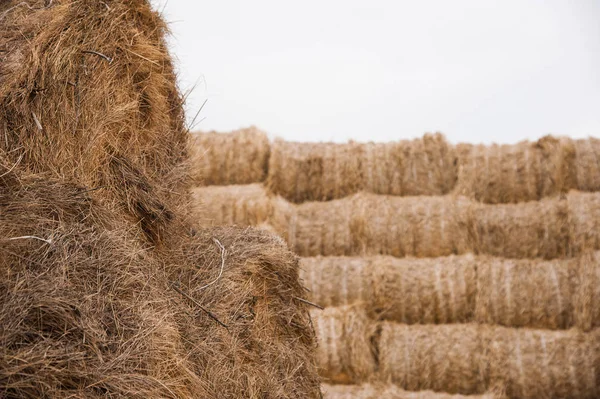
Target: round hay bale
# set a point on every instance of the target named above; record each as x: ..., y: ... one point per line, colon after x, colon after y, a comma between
x: 584, y: 221
x: 89, y: 94
x: 526, y: 230
x: 587, y: 164
x: 423, y: 291
x: 526, y: 293
x: 368, y: 391
x: 545, y: 364
x: 587, y: 292
x: 448, y: 358
x: 345, y: 352
x: 381, y: 168
x: 238, y: 157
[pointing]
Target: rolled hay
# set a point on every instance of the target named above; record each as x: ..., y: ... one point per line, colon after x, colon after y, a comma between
x: 89, y: 94
x: 369, y: 391
x: 238, y: 157
x: 450, y: 358
x: 584, y: 221
x: 545, y: 364
x: 345, y: 352
x: 527, y: 293
x: 587, y: 164
x: 587, y: 292
x: 516, y: 173
x: 303, y: 172
x: 527, y: 230
x: 87, y: 311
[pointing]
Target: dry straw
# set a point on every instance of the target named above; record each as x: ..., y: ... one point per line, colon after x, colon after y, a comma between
x: 368, y: 391
x: 587, y: 164
x: 345, y: 349
x: 239, y: 157
x: 92, y: 97
x: 323, y: 171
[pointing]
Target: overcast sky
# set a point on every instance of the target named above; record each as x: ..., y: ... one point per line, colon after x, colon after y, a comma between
x: 335, y: 70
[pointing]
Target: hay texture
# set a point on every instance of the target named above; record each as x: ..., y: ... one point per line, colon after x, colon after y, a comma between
x: 324, y: 171
x: 586, y: 303
x: 584, y: 222
x: 545, y: 364
x: 449, y: 358
x: 368, y: 391
x: 239, y: 157
x: 516, y: 173
x: 587, y: 164
x: 345, y: 351
x: 87, y: 311
x: 88, y: 94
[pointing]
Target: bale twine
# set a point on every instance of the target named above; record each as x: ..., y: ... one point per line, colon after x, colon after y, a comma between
x: 526, y: 293
x: 587, y: 164
x: 526, y: 230
x: 89, y: 94
x: 515, y: 173
x: 239, y: 157
x: 450, y: 357
x: 584, y: 221
x: 324, y: 171
x: 545, y: 364
x: 587, y: 291
x: 370, y: 391
x: 345, y: 352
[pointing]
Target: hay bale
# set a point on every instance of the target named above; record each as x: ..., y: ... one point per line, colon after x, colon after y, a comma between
x: 324, y: 171
x: 584, y: 221
x: 526, y: 293
x: 88, y: 93
x: 368, y: 391
x: 516, y: 173
x: 586, y: 300
x: 587, y: 164
x: 526, y: 230
x: 345, y: 351
x: 238, y: 157
x: 545, y: 364
x: 449, y: 357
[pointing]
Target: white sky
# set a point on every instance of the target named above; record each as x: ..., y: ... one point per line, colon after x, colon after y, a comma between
x: 335, y: 70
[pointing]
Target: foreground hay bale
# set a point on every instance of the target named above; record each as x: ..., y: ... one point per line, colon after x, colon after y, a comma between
x: 545, y: 364
x: 88, y: 93
x: 345, y: 351
x: 450, y: 358
x: 369, y: 391
x: 587, y: 164
x: 516, y: 173
x: 87, y: 311
x: 323, y: 171
x: 239, y: 157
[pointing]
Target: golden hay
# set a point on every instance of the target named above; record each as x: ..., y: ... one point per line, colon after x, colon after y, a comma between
x: 88, y: 93
x: 587, y: 164
x: 324, y: 171
x: 587, y: 292
x: 449, y: 357
x: 368, y: 391
x: 368, y: 224
x: 345, y: 351
x: 239, y: 157
x: 515, y: 173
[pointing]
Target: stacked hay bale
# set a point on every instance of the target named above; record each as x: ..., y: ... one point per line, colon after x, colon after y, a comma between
x: 444, y: 271
x: 106, y: 288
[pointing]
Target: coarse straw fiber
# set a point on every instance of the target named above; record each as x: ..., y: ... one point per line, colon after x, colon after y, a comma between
x: 238, y: 157
x: 554, y: 294
x: 584, y: 221
x: 520, y: 172
x: 345, y: 352
x: 587, y: 164
x: 87, y: 311
x: 88, y: 93
x: 324, y: 171
x: 533, y: 364
x: 370, y: 391
x: 449, y: 358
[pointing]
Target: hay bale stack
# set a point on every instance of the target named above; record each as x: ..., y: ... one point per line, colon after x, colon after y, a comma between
x: 324, y: 171
x: 88, y: 93
x: 449, y: 358
x: 587, y: 164
x: 527, y: 230
x: 545, y: 364
x: 368, y: 391
x: 527, y: 293
x: 516, y: 173
x: 239, y: 157
x: 345, y: 351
